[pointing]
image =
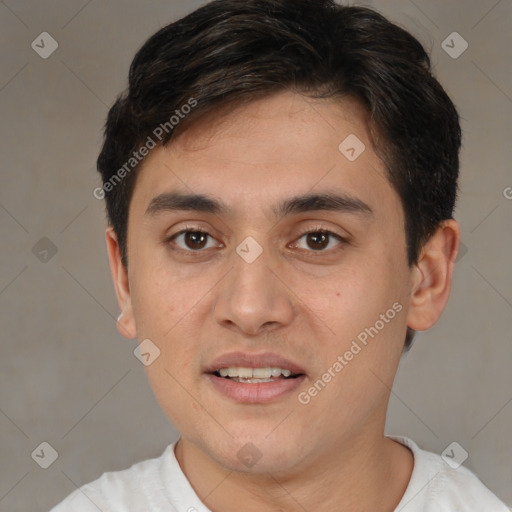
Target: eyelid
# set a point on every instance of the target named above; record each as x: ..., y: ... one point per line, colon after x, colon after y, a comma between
x: 323, y: 229
x: 189, y: 229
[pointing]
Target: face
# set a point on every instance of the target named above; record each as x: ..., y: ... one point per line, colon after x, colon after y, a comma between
x: 253, y: 279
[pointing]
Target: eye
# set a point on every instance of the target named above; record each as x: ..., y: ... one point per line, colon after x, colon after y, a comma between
x: 319, y: 239
x: 193, y: 239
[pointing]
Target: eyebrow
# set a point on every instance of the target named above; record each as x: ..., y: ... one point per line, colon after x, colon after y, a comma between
x: 328, y: 201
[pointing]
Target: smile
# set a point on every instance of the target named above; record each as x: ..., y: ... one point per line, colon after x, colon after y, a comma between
x: 244, y: 374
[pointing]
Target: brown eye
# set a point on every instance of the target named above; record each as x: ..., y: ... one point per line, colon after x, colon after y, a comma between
x: 319, y: 240
x: 193, y: 240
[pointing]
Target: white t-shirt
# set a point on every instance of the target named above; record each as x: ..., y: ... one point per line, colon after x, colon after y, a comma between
x: 159, y: 485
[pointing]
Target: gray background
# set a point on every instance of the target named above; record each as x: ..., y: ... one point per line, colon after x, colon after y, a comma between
x: 68, y: 378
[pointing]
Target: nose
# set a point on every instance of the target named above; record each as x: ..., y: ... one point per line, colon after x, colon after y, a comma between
x: 254, y: 298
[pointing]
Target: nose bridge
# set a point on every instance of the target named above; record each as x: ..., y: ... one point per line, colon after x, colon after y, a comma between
x: 251, y: 296
x: 251, y: 271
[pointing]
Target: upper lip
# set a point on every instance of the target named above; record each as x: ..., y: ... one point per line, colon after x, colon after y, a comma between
x: 247, y: 360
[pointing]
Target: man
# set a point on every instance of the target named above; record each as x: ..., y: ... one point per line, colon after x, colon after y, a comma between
x: 280, y: 178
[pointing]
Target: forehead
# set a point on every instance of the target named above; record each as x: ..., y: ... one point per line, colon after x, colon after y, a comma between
x: 276, y: 147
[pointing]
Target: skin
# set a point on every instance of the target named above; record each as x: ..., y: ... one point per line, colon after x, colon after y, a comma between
x: 296, y: 300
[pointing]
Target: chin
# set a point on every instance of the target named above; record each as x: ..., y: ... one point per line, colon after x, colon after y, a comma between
x: 256, y: 453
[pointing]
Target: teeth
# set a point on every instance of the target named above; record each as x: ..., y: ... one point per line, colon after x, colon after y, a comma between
x: 253, y: 373
x: 275, y: 372
x: 245, y: 373
x: 252, y: 381
x: 262, y: 373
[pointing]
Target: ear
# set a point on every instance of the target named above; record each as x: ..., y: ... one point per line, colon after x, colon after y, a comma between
x: 126, y: 321
x: 432, y: 276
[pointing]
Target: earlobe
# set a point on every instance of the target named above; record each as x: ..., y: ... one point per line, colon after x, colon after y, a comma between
x: 125, y: 321
x: 126, y: 325
x: 431, y: 277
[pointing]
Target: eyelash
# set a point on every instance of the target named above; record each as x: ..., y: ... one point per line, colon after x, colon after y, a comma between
x: 314, y: 230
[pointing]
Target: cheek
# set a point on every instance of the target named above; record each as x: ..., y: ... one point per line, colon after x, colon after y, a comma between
x: 351, y: 298
x: 159, y: 300
x: 365, y: 305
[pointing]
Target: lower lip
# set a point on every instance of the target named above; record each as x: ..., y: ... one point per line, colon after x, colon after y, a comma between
x: 257, y: 393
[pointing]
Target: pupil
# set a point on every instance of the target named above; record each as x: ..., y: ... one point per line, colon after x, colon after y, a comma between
x: 194, y: 236
x: 315, y: 236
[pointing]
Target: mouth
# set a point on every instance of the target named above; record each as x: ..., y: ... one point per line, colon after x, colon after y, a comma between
x: 250, y: 378
x: 255, y: 375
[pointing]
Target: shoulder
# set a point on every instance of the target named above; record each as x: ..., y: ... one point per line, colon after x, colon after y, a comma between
x: 119, y: 491
x: 437, y: 486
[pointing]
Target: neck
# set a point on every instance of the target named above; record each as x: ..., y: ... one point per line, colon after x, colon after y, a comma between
x: 365, y: 473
